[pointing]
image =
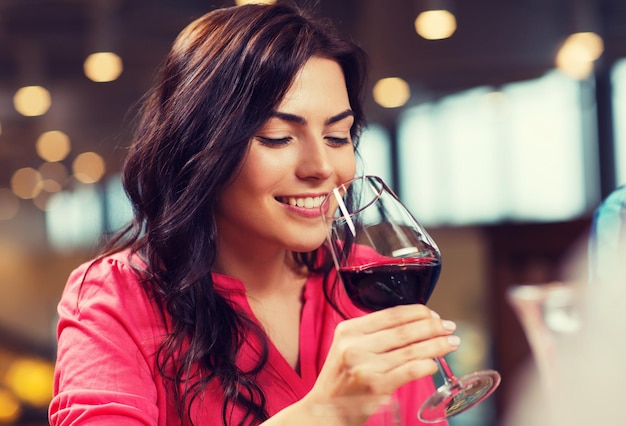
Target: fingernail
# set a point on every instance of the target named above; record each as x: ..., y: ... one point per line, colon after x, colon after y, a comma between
x: 434, y: 314
x: 454, y: 340
x: 449, y: 325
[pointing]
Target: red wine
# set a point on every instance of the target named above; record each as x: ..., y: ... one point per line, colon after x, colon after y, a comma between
x: 405, y: 281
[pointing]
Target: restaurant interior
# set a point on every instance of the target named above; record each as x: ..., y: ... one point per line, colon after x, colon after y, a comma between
x: 497, y: 122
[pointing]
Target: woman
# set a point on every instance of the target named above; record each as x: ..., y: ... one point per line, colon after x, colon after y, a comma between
x: 218, y: 304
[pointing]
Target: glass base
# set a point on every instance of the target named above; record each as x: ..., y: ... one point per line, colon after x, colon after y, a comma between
x: 459, y: 395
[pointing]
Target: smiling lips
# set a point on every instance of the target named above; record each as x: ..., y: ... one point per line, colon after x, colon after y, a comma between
x: 305, y: 202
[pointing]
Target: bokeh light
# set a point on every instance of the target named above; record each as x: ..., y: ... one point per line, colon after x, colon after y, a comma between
x: 53, y: 145
x: 103, y: 66
x: 88, y: 167
x: 576, y: 56
x: 31, y: 380
x: 391, y: 92
x: 10, y: 408
x: 26, y: 183
x: 53, y: 176
x: 32, y: 101
x: 435, y: 24
x: 42, y: 199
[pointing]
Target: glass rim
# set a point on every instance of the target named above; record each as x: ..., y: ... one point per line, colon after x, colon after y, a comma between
x: 336, y: 194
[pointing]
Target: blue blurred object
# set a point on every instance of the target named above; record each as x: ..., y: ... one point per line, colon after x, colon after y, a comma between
x: 607, y: 241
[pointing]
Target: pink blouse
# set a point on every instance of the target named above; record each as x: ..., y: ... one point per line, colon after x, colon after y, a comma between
x: 108, y: 337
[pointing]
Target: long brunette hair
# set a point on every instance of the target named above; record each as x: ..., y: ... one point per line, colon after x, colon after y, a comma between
x: 225, y: 74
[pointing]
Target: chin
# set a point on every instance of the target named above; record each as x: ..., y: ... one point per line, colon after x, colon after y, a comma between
x: 308, y: 245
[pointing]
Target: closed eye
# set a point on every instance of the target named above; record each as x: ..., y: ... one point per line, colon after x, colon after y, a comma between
x: 337, y: 141
x: 273, y: 141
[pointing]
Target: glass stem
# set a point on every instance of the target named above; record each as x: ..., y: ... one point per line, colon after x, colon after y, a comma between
x: 444, y: 370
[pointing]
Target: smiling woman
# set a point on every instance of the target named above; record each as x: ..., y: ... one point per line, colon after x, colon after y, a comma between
x: 301, y: 153
x: 218, y: 303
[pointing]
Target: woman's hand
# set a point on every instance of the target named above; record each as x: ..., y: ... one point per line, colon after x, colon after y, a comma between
x: 373, y: 355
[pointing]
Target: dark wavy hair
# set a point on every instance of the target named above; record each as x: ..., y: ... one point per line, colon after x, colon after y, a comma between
x: 224, y: 75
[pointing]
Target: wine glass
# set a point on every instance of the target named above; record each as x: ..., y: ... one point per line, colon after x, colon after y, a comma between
x: 386, y: 258
x: 550, y: 315
x: 552, y: 320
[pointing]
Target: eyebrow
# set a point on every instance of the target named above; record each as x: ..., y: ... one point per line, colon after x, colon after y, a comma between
x: 301, y: 120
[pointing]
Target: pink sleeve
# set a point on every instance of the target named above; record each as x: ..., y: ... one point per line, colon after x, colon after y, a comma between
x: 105, y: 372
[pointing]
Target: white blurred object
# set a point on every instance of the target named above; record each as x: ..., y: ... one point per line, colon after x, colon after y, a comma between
x: 551, y: 318
x: 591, y: 388
x: 578, y: 348
x: 581, y: 378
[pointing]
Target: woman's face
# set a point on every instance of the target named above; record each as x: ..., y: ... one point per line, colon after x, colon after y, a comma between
x: 297, y: 157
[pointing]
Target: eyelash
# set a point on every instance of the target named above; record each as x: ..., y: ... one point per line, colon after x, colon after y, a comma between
x: 282, y: 141
x: 272, y: 141
x: 338, y: 141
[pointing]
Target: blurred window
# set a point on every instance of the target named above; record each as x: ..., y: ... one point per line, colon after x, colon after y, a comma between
x: 375, y: 153
x: 118, y: 208
x: 483, y: 156
x: 618, y: 80
x: 77, y: 219
x: 74, y: 218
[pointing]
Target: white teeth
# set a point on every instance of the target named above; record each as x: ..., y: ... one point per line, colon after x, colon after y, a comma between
x: 306, y: 202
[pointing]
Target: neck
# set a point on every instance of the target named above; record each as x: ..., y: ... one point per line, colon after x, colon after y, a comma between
x: 262, y: 270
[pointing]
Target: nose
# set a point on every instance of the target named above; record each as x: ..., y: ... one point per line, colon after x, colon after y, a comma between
x: 315, y: 160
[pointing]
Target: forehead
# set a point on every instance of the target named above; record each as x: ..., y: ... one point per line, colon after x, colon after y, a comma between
x: 319, y: 80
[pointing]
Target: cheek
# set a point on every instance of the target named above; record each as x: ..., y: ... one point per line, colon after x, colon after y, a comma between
x: 264, y: 167
x: 345, y: 165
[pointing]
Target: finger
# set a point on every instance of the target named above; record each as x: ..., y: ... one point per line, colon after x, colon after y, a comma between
x: 428, y: 349
x: 425, y: 350
x: 409, y: 333
x: 392, y: 317
x: 406, y: 373
x: 364, y: 364
x: 374, y: 380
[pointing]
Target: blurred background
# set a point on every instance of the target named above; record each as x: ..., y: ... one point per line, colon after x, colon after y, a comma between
x: 501, y: 124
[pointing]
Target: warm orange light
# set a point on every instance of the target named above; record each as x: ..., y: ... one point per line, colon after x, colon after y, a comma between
x: 26, y: 183
x: 578, y: 53
x: 88, y: 167
x: 41, y: 200
x: 53, y: 145
x: 10, y: 408
x: 103, y: 66
x: 435, y: 24
x: 32, y: 101
x: 391, y: 92
x: 56, y: 172
x: 31, y: 380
